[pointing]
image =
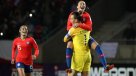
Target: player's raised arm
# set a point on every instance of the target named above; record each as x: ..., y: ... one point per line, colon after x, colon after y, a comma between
x: 69, y: 24
x: 36, y: 53
x: 67, y: 37
x: 13, y: 52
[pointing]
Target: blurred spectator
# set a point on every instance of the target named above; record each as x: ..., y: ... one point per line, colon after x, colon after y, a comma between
x: 50, y: 14
x: 16, y: 12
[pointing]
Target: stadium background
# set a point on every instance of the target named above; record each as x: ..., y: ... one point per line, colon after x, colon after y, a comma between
x: 114, y: 27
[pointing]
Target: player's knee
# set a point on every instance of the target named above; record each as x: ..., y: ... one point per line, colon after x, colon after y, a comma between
x: 74, y: 73
x: 92, y: 43
x: 70, y: 44
x: 85, y: 73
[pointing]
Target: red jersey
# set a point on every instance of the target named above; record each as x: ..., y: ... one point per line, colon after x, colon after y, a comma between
x: 87, y: 22
x: 24, y: 48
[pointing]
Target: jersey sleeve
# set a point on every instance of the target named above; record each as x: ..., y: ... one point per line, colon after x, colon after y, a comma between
x: 14, y: 50
x: 69, y: 35
x: 87, y: 25
x: 36, y: 53
x: 69, y: 24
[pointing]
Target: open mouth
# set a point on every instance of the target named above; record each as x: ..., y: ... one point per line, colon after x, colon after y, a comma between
x: 24, y: 32
x: 82, y: 7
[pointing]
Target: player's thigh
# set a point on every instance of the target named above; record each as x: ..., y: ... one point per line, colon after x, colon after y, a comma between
x: 21, y: 71
x: 87, y: 63
x: 85, y: 73
x: 20, y: 68
x: 77, y: 63
x: 70, y: 44
x: 93, y: 45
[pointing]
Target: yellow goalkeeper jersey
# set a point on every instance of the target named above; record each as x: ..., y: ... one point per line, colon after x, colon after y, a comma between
x: 80, y: 40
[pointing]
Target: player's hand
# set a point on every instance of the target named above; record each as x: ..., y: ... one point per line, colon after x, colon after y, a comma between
x: 75, y: 25
x: 33, y: 57
x: 13, y: 61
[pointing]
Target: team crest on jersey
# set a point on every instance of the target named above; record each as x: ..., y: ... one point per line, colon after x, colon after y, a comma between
x: 27, y: 42
x: 84, y: 19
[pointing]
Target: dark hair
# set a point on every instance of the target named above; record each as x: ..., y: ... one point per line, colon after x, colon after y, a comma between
x: 77, y: 16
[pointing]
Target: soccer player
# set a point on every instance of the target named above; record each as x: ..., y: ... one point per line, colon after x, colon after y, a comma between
x: 81, y: 59
x: 24, y: 58
x: 86, y: 24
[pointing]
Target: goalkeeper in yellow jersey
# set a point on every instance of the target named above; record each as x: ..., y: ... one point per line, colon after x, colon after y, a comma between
x: 81, y: 58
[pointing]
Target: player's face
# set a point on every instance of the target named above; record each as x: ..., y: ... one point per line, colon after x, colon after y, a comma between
x: 73, y: 20
x: 23, y: 31
x: 81, y: 6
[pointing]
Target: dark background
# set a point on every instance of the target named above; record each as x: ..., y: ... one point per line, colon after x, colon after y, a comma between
x: 48, y: 26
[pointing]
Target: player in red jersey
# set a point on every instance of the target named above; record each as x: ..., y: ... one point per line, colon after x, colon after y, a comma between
x: 87, y: 22
x: 87, y: 25
x: 24, y: 58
